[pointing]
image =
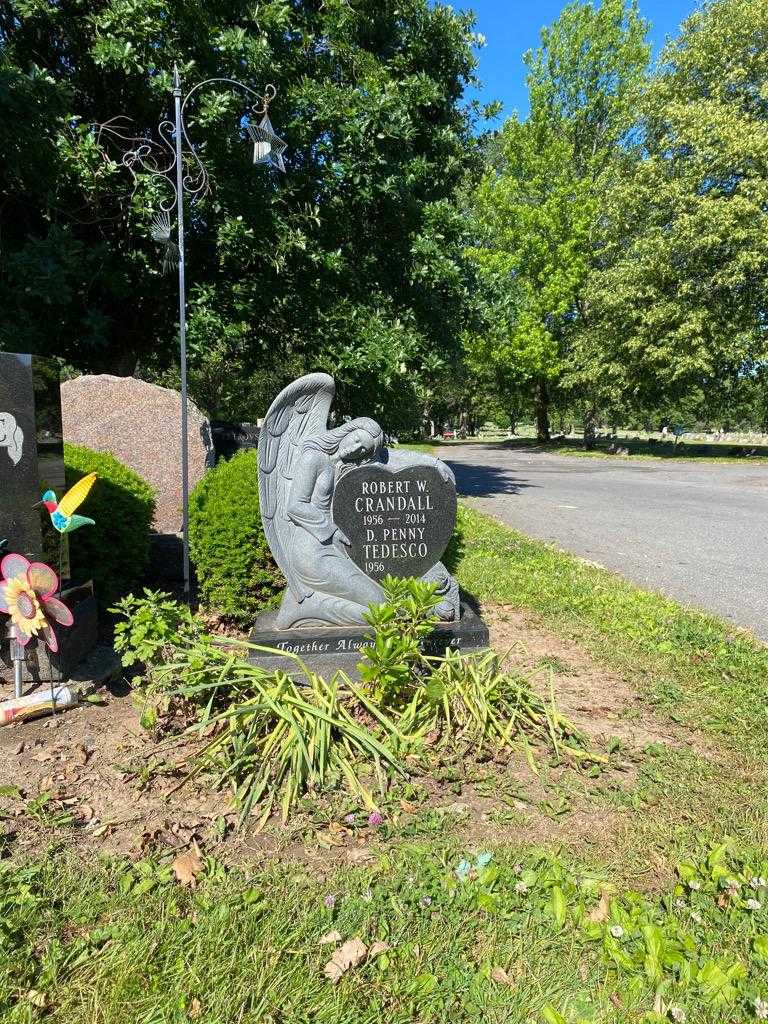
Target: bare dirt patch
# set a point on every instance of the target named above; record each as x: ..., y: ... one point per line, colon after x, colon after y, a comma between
x: 111, y: 788
x: 602, y: 703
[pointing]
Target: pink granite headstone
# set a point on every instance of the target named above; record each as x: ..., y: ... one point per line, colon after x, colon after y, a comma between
x: 140, y: 424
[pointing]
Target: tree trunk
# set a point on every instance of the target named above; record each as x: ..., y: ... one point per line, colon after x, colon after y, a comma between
x: 590, y: 429
x: 542, y: 410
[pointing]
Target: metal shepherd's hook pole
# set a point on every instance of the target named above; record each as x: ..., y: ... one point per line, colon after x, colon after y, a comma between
x: 144, y: 155
x: 18, y: 657
x: 182, y: 331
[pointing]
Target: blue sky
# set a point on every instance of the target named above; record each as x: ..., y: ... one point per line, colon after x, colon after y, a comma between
x: 512, y: 26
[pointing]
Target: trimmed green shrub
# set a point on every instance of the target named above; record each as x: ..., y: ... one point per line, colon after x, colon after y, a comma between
x: 114, y: 553
x: 236, y: 574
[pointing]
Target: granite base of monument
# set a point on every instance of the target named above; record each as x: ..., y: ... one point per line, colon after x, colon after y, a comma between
x: 326, y: 649
x: 75, y: 643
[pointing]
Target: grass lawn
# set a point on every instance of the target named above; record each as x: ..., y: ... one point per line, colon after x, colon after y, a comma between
x: 690, y: 451
x: 628, y: 888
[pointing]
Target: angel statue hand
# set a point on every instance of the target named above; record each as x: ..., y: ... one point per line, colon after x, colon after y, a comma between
x: 342, y: 538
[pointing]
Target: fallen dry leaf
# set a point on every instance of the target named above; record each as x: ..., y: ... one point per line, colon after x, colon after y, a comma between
x: 329, y: 937
x: 615, y: 998
x: 186, y: 867
x: 500, y: 976
x: 37, y: 998
x: 408, y: 806
x: 378, y: 948
x: 359, y: 856
x: 195, y: 1009
x: 601, y: 911
x: 351, y: 954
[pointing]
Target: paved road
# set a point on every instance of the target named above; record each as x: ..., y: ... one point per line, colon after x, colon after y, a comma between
x: 694, y: 531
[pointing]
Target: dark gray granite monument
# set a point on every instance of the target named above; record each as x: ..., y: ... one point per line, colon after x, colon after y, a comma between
x: 31, y: 451
x: 31, y: 462
x: 341, y: 512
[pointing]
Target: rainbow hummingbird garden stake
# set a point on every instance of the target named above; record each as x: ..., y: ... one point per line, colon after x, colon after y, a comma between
x: 27, y: 592
x: 62, y: 512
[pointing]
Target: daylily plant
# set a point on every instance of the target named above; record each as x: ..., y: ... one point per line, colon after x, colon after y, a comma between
x: 27, y: 594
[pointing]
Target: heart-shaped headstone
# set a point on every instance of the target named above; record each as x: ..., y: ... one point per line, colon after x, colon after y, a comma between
x: 398, y: 521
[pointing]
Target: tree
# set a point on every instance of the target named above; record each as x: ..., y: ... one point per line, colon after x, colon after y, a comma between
x: 351, y: 262
x: 533, y: 220
x: 679, y: 295
x: 538, y: 207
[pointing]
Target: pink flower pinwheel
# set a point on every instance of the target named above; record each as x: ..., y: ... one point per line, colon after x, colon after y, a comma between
x: 26, y: 594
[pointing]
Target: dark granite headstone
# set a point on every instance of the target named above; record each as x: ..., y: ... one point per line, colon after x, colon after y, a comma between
x: 31, y: 462
x: 341, y: 512
x: 327, y: 649
x: 399, y: 521
x: 31, y: 456
x: 229, y: 438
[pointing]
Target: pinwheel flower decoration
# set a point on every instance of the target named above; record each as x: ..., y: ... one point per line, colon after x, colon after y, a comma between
x: 27, y: 594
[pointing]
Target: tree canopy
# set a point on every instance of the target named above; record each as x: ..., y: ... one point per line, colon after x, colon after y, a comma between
x: 537, y: 209
x: 679, y: 293
x: 353, y: 261
x: 605, y: 256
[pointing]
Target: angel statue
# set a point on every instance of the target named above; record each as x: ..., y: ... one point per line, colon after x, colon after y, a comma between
x: 300, y: 460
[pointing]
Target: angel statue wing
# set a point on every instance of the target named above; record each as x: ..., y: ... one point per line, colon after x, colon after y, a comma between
x: 299, y: 411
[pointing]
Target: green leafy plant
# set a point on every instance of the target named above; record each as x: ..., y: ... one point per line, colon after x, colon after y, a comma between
x: 48, y: 812
x: 282, y: 740
x: 401, y: 625
x: 236, y: 574
x: 114, y: 553
x: 463, y: 697
x: 151, y: 627
x: 273, y: 736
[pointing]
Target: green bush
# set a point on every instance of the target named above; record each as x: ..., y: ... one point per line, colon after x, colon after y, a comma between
x: 236, y: 574
x: 114, y: 553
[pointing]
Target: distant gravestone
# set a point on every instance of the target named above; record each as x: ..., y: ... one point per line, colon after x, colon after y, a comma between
x: 140, y: 424
x: 229, y: 438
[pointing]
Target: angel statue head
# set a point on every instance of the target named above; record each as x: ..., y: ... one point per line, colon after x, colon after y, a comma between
x: 355, y: 441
